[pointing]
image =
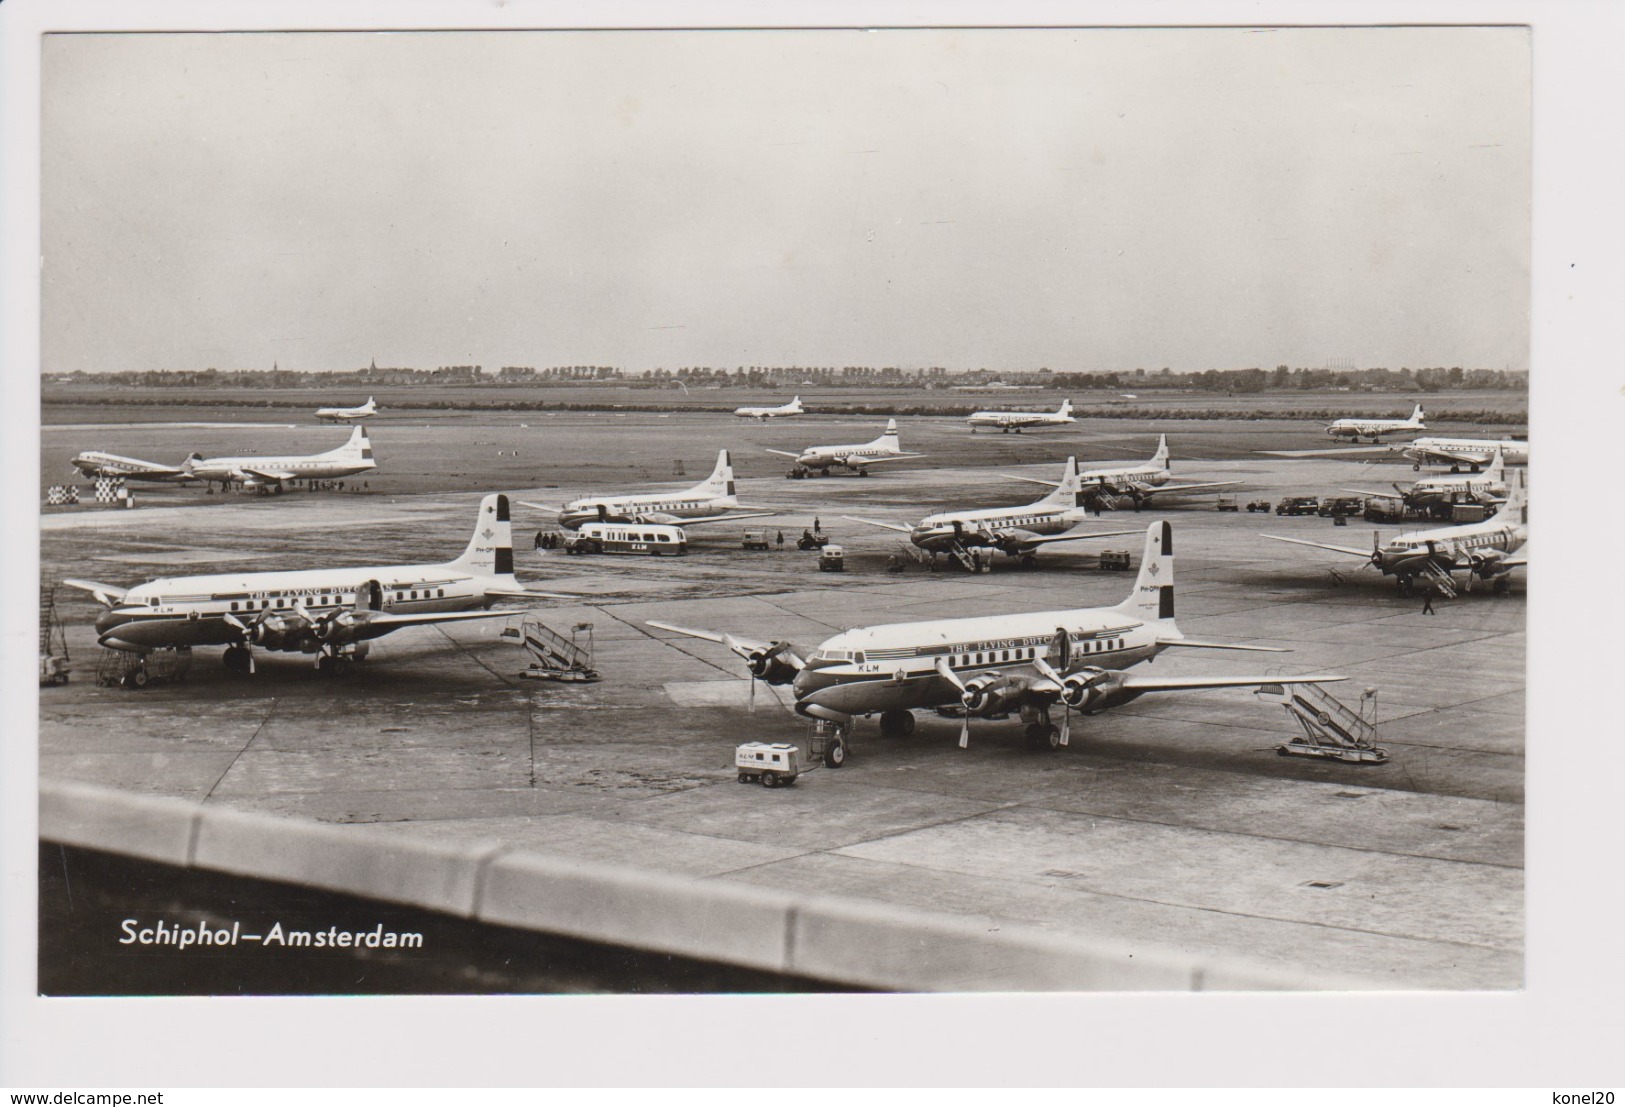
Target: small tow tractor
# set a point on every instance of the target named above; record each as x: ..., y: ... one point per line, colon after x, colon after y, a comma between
x: 831, y: 559
x: 1259, y: 505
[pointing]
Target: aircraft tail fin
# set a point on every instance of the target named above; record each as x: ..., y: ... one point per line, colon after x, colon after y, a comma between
x: 1065, y: 409
x: 1161, y: 456
x: 888, y: 437
x: 358, y: 446
x: 1153, y: 595
x: 1417, y: 416
x: 1067, y: 492
x: 490, y: 550
x: 720, y: 484
x: 1498, y: 467
x: 1516, y: 508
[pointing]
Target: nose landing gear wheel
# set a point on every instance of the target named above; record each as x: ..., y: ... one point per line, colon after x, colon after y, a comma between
x: 835, y: 755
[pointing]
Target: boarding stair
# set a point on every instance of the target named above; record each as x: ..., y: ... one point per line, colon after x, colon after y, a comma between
x: 1331, y: 729
x: 53, y: 640
x: 1439, y: 579
x: 553, y: 656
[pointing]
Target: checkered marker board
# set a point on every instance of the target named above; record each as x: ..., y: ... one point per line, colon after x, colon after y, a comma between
x: 59, y: 494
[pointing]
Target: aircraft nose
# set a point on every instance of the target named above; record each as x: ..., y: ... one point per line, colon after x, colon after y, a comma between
x: 107, y: 621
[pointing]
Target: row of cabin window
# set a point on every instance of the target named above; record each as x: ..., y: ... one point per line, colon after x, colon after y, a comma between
x: 324, y: 601
x: 991, y: 657
x: 623, y: 536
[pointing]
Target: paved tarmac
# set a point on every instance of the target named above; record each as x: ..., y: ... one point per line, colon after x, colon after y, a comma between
x: 1170, y: 821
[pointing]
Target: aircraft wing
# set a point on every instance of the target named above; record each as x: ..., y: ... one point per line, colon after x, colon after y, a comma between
x: 784, y: 453
x: 1320, y: 545
x: 1032, y: 480
x: 1335, y: 452
x: 1209, y: 644
x: 725, y: 517
x: 1391, y: 494
x: 270, y: 474
x: 1150, y: 491
x: 750, y: 649
x: 1468, y: 457
x: 380, y: 623
x: 541, y: 507
x: 1039, y: 540
x: 1140, y: 683
x: 106, y: 593
x: 862, y: 459
x: 877, y: 523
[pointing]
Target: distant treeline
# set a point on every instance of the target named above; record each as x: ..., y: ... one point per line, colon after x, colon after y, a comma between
x: 1484, y: 416
x: 1236, y: 381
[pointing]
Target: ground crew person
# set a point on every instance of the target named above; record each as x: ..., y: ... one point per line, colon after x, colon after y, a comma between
x: 1427, y: 604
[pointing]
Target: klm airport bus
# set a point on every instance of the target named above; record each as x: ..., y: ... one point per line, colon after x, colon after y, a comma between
x: 627, y: 538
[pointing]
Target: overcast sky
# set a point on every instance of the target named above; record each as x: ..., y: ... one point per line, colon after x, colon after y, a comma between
x: 1011, y: 199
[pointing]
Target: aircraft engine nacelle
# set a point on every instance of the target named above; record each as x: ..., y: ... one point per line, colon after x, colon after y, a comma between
x: 1091, y: 691
x: 289, y: 631
x: 990, y: 694
x: 773, y: 664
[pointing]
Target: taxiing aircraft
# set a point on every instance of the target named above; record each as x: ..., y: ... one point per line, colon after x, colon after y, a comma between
x: 1017, y: 531
x: 711, y: 501
x: 1374, y: 429
x: 331, y: 613
x: 347, y: 414
x: 854, y: 459
x: 784, y: 411
x: 1134, y: 483
x: 354, y: 457
x: 1489, y: 550
x: 1007, y: 421
x: 993, y: 665
x: 94, y: 463
x: 1474, y: 453
x: 1489, y: 487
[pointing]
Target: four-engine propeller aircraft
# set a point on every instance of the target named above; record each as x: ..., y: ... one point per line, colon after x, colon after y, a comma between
x: 94, y: 463
x: 1374, y: 429
x: 711, y: 501
x: 1488, y: 488
x: 1471, y: 452
x: 1488, y: 550
x: 1007, y: 421
x: 994, y: 665
x: 855, y: 459
x: 347, y: 414
x: 1135, y: 484
x: 354, y: 457
x: 784, y: 411
x: 331, y: 613
x: 1017, y: 531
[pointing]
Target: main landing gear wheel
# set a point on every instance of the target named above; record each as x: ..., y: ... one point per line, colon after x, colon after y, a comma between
x: 1043, y: 736
x: 897, y: 724
x: 328, y: 663
x: 835, y: 754
x: 236, y: 658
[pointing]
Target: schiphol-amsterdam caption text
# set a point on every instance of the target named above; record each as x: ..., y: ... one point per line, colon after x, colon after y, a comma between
x: 202, y: 934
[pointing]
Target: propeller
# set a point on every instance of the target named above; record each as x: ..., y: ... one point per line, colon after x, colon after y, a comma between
x: 966, y: 697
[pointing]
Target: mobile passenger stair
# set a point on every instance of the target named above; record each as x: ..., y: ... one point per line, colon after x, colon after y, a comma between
x: 552, y: 655
x: 1330, y: 728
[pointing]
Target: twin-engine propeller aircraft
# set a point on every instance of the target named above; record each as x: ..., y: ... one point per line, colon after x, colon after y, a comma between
x: 711, y: 501
x: 1007, y: 421
x: 854, y: 459
x: 1474, y: 453
x: 94, y: 463
x: 347, y: 414
x: 348, y: 460
x: 1017, y: 531
x: 1374, y: 429
x: 783, y: 411
x: 1490, y: 487
x: 1133, y: 484
x: 994, y: 665
x: 1489, y: 550
x: 331, y: 613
